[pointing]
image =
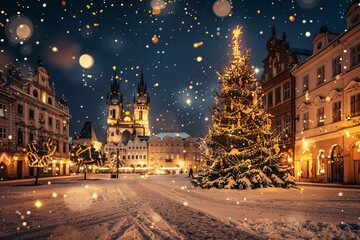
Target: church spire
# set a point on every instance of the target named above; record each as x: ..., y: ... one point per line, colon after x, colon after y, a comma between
x: 141, y: 90
x: 115, y: 94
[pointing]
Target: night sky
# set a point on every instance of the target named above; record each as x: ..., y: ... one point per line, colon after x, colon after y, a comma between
x: 134, y: 36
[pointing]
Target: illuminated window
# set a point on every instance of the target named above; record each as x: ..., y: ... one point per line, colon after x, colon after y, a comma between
x: 336, y: 66
x: 355, y: 55
x: 2, y: 132
x: 355, y: 105
x: 336, y: 111
x: 320, y: 75
x: 320, y: 117
x: 286, y: 90
x: 306, y: 83
x: 2, y: 110
x: 305, y: 121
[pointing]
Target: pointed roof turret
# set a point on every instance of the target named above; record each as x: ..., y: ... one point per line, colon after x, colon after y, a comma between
x: 273, y: 31
x: 115, y: 93
x: 141, y: 90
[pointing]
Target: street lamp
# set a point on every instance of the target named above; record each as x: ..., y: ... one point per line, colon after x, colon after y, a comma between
x: 9, y: 142
x: 117, y: 162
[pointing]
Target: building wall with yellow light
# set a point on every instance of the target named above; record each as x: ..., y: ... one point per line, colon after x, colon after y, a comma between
x: 173, y: 153
x: 29, y: 111
x: 328, y: 107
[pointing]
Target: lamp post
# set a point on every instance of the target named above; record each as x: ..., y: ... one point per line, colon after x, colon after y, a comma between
x: 9, y: 142
x: 117, y: 162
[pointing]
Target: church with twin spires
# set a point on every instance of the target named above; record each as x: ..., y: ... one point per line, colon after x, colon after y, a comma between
x: 127, y: 125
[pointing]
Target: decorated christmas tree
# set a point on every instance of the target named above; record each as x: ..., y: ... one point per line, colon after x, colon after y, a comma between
x: 242, y: 150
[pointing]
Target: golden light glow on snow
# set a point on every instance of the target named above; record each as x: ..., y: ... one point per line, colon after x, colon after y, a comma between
x: 38, y: 204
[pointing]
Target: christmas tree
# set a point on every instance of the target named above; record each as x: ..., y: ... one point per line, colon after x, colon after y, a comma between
x: 241, y: 148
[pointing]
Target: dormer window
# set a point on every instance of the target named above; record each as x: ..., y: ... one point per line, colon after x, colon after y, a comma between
x: 319, y: 45
x: 355, y: 18
x: 43, y: 78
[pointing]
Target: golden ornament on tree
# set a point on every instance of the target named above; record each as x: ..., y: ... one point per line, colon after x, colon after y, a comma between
x: 258, y: 139
x: 253, y: 115
x: 226, y: 89
x: 240, y: 81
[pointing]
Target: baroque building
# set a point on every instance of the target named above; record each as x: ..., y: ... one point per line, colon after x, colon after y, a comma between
x: 127, y: 131
x: 327, y: 104
x: 279, y: 86
x: 173, y: 151
x: 29, y: 110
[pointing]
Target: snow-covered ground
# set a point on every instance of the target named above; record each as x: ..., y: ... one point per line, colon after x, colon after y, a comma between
x: 168, y: 207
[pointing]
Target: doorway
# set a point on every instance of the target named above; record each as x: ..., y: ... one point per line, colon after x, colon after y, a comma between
x: 3, y: 171
x: 337, y: 165
x: 19, y: 170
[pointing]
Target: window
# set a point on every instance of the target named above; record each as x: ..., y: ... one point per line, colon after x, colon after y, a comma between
x: 278, y: 126
x: 263, y: 100
x: 286, y: 90
x: 35, y: 93
x: 270, y: 99
x: 306, y: 83
x: 320, y: 75
x: 305, y: 121
x: 287, y: 125
x: 277, y: 95
x: 56, y: 143
x: 113, y: 113
x: 128, y: 156
x: 355, y: 105
x: 336, y: 111
x: 140, y: 115
x: 168, y: 160
x: 20, y: 109
x: 2, y: 110
x: 20, y: 139
x: 31, y: 114
x: 144, y: 157
x: 320, y: 117
x: 50, y: 121
x: 336, y: 66
x: 31, y: 136
x: 355, y: 56
x: 2, y: 132
x: 57, y: 124
x: 49, y: 101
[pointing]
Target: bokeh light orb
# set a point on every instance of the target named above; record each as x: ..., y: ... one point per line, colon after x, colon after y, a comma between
x: 19, y: 29
x: 160, y: 4
x: 291, y: 18
x: 308, y: 4
x: 155, y: 39
x: 308, y: 34
x: 23, y: 31
x: 199, y: 59
x: 222, y: 8
x: 86, y: 61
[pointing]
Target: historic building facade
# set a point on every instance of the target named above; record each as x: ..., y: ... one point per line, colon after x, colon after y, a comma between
x: 128, y: 131
x: 173, y: 151
x: 278, y: 86
x: 327, y: 143
x: 29, y: 110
